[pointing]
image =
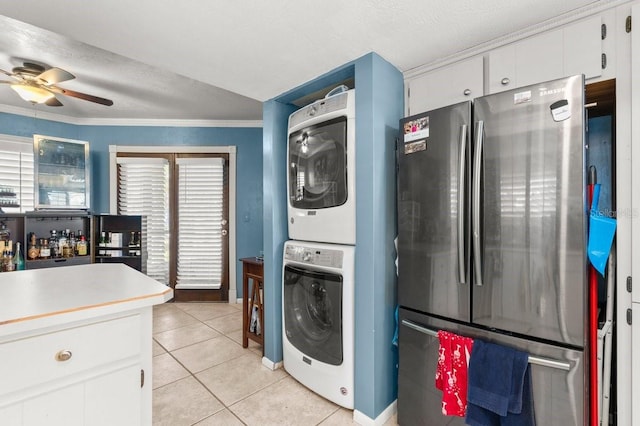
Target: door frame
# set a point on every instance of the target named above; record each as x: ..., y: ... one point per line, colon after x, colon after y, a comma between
x: 227, y: 149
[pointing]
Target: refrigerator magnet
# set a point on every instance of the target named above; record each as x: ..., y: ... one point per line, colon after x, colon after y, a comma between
x: 414, y: 147
x: 416, y: 129
x: 560, y: 110
x: 522, y: 97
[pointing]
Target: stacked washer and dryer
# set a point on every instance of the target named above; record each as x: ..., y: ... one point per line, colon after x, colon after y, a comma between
x: 319, y: 259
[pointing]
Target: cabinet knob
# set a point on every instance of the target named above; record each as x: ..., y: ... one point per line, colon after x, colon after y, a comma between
x: 505, y: 81
x: 467, y: 92
x: 64, y: 355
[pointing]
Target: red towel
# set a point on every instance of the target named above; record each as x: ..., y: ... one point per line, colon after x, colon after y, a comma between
x: 451, y: 372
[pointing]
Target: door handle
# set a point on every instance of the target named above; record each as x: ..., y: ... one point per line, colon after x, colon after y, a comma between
x: 461, y: 207
x: 545, y: 362
x: 477, y: 169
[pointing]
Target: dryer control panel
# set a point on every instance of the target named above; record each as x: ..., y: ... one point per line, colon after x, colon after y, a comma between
x: 314, y: 256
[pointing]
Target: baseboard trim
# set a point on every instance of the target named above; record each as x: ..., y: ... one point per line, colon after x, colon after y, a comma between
x: 239, y: 300
x: 364, y: 420
x: 270, y: 364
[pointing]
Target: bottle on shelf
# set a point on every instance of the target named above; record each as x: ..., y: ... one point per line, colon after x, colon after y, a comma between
x: 7, y: 257
x: 104, y: 242
x: 5, y: 233
x: 134, y: 244
x: 72, y: 243
x: 18, y: 259
x: 45, y: 251
x: 62, y: 243
x: 78, y: 238
x: 53, y: 244
x: 34, y: 251
x: 82, y: 248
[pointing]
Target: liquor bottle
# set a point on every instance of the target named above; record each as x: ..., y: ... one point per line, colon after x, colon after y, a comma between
x: 62, y: 243
x: 138, y: 244
x: 45, y: 251
x: 5, y: 234
x: 7, y: 258
x: 132, y: 244
x: 78, y: 238
x: 33, y: 252
x: 103, y: 243
x: 72, y: 243
x: 18, y: 260
x: 82, y: 247
x: 53, y: 244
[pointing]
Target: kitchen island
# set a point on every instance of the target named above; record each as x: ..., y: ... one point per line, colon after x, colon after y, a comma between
x: 75, y: 345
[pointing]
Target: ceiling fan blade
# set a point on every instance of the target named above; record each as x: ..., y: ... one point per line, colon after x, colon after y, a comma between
x: 54, y: 102
x: 55, y: 75
x: 79, y: 95
x: 10, y: 74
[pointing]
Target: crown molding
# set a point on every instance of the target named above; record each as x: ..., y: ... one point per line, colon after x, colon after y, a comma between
x: 482, y: 48
x: 148, y: 122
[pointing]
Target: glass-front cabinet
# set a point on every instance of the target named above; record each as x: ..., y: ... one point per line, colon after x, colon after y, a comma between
x: 61, y: 173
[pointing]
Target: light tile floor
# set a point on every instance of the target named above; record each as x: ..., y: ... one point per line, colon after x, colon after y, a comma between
x: 202, y: 375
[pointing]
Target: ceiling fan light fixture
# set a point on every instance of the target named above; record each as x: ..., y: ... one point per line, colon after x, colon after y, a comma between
x: 32, y: 94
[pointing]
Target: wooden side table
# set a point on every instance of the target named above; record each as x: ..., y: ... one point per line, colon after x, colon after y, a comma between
x: 252, y: 297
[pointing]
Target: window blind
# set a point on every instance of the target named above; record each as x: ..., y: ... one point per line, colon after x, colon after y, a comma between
x: 200, y: 215
x: 143, y: 189
x: 16, y: 176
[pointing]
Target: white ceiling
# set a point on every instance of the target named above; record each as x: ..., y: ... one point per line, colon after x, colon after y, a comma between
x: 218, y: 60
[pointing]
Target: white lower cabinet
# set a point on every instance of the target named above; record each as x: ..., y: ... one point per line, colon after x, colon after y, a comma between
x: 85, y: 374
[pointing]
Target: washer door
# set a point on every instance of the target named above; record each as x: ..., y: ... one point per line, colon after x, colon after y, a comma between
x: 313, y: 313
x: 318, y: 165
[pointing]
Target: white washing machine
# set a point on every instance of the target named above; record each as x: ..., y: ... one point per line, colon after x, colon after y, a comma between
x: 318, y: 318
x: 321, y: 170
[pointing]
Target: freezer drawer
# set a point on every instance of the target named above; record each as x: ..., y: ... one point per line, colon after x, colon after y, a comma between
x: 559, y: 393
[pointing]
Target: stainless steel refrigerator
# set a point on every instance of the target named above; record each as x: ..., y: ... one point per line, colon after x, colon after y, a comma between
x: 491, y: 242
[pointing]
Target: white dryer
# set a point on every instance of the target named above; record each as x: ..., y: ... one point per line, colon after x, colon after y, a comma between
x: 321, y: 170
x: 318, y: 318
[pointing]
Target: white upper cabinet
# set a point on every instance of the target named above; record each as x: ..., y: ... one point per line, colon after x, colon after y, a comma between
x: 573, y: 49
x: 583, y: 48
x: 445, y: 86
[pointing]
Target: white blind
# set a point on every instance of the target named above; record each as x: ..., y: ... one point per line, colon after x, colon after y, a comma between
x: 200, y: 214
x: 144, y: 190
x: 16, y: 175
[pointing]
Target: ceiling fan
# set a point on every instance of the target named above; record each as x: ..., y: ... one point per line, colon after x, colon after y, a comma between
x: 37, y: 84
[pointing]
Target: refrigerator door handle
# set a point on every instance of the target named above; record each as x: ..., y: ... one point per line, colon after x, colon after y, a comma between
x: 477, y: 169
x: 545, y: 362
x: 461, y: 207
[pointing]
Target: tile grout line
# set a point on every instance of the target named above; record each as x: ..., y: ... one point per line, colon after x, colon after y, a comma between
x: 202, y: 384
x: 192, y: 374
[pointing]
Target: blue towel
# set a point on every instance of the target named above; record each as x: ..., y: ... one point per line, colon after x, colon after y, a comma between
x: 499, y: 386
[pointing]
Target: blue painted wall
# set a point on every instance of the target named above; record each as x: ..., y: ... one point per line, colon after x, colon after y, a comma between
x: 249, y: 228
x: 379, y: 106
x: 274, y: 116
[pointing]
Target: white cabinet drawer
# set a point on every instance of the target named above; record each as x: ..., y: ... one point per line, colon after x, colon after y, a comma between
x: 39, y: 359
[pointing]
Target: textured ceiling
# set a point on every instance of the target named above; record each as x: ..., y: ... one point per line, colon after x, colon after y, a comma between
x: 214, y: 60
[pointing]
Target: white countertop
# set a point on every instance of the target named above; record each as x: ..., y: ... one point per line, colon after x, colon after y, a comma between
x: 46, y: 297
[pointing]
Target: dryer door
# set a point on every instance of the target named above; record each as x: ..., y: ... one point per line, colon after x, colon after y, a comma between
x: 318, y: 165
x: 313, y: 313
